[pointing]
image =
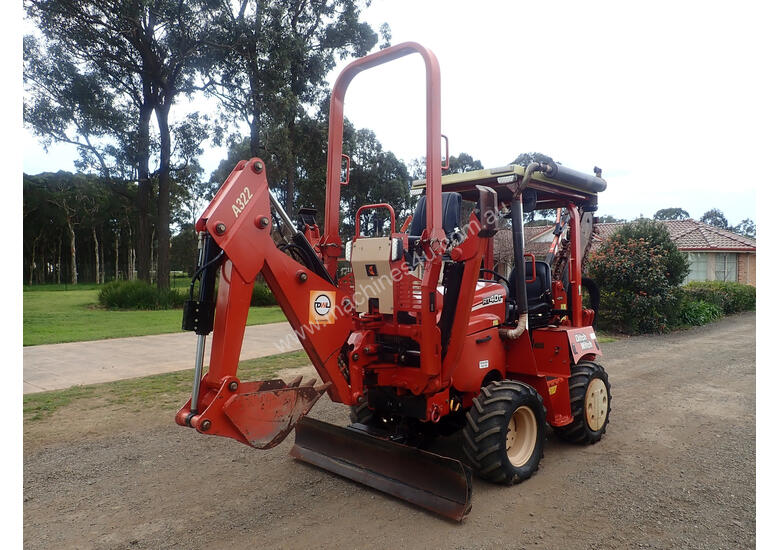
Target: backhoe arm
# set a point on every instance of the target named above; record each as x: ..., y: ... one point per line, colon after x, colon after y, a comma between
x: 262, y: 413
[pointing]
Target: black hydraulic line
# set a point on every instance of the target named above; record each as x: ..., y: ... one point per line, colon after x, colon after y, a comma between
x: 309, y: 257
x: 198, y: 315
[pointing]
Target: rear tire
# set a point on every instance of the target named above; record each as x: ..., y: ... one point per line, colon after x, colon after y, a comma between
x: 505, y: 430
x: 591, y: 402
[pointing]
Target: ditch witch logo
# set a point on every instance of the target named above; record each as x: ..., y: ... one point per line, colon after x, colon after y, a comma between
x: 321, y: 311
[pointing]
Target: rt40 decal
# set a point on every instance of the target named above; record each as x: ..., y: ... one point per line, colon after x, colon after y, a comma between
x: 242, y: 201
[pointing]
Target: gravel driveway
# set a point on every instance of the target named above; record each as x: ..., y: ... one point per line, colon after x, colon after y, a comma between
x: 676, y: 469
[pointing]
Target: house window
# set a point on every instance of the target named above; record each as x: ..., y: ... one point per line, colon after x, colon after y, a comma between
x: 697, y: 262
x: 726, y: 267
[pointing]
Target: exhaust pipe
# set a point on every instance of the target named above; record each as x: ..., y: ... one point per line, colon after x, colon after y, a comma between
x: 519, y: 252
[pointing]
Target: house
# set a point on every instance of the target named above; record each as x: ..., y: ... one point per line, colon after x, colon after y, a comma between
x: 714, y: 254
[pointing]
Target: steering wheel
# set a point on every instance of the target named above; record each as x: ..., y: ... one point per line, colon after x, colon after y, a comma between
x: 497, y: 276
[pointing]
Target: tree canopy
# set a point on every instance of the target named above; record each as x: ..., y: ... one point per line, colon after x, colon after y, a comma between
x: 103, y: 75
x: 671, y: 214
x: 715, y: 218
x: 268, y: 63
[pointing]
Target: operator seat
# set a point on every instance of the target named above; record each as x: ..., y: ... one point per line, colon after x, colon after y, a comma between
x: 539, y: 293
x: 450, y: 221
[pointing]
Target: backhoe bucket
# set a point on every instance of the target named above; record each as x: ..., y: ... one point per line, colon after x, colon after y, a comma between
x: 266, y: 414
x: 436, y: 483
x: 260, y: 414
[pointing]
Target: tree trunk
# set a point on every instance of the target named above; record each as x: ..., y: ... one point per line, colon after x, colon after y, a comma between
x: 164, y: 199
x: 59, y: 260
x: 74, y: 276
x: 130, y: 254
x: 32, y: 256
x: 42, y: 271
x: 291, y: 168
x: 152, y: 264
x: 254, y: 137
x: 32, y: 264
x: 255, y: 80
x: 290, y: 186
x: 102, y: 263
x: 116, y: 255
x: 144, y: 188
x: 130, y: 263
x: 97, y: 255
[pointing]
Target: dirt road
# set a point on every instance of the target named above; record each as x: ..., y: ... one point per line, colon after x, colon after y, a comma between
x: 675, y: 470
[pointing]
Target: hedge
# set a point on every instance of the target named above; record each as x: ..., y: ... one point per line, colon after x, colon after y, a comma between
x: 142, y: 295
x: 139, y: 295
x: 729, y: 297
x: 262, y: 295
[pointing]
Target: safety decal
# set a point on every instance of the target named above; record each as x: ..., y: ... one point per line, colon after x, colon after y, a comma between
x: 321, y: 311
x: 484, y: 364
x: 553, y: 389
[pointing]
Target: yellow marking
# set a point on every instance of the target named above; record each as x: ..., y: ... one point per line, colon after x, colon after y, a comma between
x: 553, y: 389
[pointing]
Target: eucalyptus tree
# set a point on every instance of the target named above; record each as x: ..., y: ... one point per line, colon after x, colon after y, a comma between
x: 137, y: 56
x: 271, y: 59
x: 671, y: 214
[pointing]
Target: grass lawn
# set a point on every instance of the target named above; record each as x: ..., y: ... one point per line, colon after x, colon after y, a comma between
x: 161, y: 391
x: 52, y: 315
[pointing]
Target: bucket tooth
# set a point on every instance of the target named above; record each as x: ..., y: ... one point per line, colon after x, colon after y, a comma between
x: 434, y: 482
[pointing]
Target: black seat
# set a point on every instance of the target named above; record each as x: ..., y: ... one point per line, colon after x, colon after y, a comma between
x: 450, y: 214
x: 450, y: 220
x: 539, y: 293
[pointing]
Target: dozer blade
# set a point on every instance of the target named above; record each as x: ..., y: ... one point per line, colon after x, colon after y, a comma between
x: 436, y: 483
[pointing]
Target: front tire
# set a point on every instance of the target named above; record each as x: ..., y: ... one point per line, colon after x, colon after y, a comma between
x: 505, y: 430
x: 591, y: 402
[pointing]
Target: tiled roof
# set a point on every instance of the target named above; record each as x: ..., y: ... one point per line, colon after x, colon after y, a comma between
x: 502, y: 245
x: 532, y: 231
x: 692, y: 235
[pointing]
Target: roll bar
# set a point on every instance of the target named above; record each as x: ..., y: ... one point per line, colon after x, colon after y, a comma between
x: 330, y: 244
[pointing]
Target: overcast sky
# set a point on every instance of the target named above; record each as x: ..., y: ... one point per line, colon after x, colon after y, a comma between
x: 666, y: 98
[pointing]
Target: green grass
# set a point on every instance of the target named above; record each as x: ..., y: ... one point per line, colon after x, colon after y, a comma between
x: 604, y: 337
x: 52, y: 317
x: 159, y: 390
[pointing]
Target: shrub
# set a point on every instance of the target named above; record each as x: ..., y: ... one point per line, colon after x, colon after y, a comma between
x: 728, y: 296
x: 262, y: 295
x: 698, y: 312
x: 657, y: 236
x: 138, y: 295
x: 638, y: 270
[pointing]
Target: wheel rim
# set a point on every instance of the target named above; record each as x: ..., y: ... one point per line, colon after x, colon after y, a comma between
x: 596, y: 404
x: 521, y: 436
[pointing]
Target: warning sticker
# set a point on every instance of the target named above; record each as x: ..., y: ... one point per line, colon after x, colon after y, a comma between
x: 484, y: 364
x: 321, y: 311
